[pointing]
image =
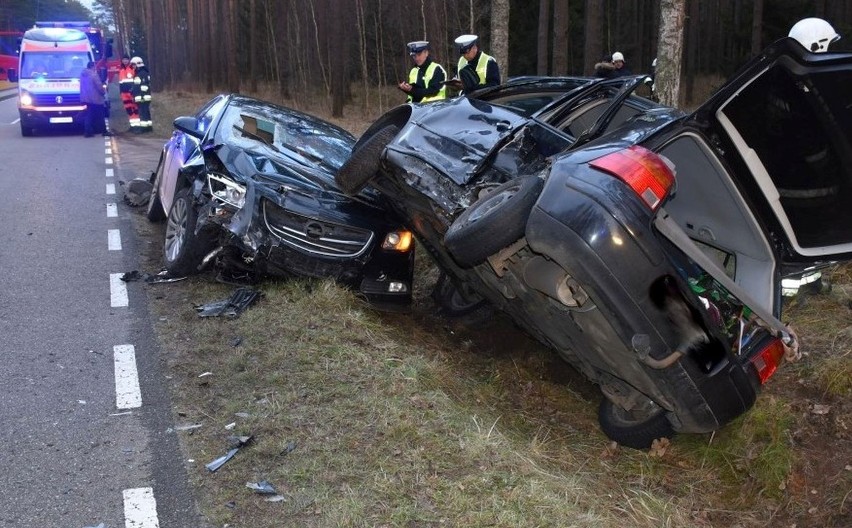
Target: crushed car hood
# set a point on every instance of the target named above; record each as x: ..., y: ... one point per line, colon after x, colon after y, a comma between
x: 456, y: 136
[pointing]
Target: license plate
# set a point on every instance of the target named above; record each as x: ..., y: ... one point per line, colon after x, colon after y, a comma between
x: 61, y: 119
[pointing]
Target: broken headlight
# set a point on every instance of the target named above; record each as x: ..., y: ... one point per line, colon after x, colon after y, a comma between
x: 226, y: 191
x: 398, y: 241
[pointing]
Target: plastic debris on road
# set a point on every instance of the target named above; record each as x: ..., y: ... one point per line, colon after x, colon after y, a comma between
x: 161, y: 277
x: 236, y: 442
x: 231, y: 307
x: 263, y: 487
x: 219, y: 462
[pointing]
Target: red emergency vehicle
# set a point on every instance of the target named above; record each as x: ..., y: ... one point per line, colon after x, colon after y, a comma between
x: 9, y: 42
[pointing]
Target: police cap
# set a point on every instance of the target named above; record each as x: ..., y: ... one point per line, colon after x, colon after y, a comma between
x: 417, y: 46
x: 465, y: 42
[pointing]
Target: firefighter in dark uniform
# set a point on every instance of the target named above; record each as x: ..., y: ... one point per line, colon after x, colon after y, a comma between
x: 475, y: 69
x: 126, y: 74
x: 426, y: 79
x: 142, y: 94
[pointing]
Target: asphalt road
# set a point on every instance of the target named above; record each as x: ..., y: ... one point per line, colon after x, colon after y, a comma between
x: 85, y: 416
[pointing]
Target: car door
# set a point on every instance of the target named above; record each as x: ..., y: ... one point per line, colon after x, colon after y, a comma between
x: 784, y: 126
x: 182, y: 146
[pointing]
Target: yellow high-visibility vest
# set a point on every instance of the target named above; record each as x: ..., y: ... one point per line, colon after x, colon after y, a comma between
x: 481, y: 68
x: 430, y: 71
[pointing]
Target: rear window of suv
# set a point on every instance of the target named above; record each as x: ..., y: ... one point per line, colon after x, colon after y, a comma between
x: 800, y: 127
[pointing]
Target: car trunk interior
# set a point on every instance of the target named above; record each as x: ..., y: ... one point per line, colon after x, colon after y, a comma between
x: 710, y: 210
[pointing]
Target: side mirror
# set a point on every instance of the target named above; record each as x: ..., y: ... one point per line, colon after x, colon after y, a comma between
x: 12, y: 75
x: 189, y: 125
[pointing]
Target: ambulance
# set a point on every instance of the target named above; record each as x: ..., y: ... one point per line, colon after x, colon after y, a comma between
x: 49, y: 66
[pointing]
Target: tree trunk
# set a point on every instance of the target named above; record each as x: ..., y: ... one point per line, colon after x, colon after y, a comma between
x: 756, y: 27
x: 543, y: 33
x: 500, y: 34
x: 560, y: 37
x: 254, y: 35
x: 669, y: 51
x: 593, y: 49
x: 233, y: 74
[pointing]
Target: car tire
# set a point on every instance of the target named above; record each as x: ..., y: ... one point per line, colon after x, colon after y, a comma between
x: 639, y: 432
x: 183, y: 248
x: 363, y: 164
x: 454, y: 300
x: 155, y: 212
x: 493, y: 222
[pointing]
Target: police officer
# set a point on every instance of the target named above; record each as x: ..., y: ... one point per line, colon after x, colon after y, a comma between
x: 426, y: 79
x: 126, y: 74
x: 475, y: 69
x: 142, y: 94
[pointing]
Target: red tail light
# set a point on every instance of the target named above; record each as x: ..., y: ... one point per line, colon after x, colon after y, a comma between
x: 767, y: 360
x: 647, y: 173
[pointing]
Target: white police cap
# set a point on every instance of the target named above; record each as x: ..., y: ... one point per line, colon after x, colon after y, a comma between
x: 417, y: 46
x: 465, y: 42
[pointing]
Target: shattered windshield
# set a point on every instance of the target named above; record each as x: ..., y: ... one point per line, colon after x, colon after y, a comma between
x: 298, y: 137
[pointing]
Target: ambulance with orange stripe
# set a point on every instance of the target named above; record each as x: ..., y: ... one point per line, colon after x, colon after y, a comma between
x: 50, y: 62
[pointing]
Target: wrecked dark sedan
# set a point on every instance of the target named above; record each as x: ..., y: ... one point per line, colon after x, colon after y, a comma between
x: 645, y: 245
x: 249, y: 187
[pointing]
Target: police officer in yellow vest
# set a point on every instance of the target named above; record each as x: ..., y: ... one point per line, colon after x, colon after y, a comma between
x: 476, y: 69
x: 426, y: 79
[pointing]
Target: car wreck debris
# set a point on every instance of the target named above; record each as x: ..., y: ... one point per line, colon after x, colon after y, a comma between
x: 219, y: 462
x: 263, y: 487
x: 235, y: 443
x: 231, y: 307
x: 161, y: 277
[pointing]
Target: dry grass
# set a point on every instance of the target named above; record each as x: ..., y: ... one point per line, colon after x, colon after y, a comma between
x: 368, y: 419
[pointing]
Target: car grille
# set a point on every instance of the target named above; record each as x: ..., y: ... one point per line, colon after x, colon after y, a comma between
x: 50, y: 99
x: 315, y: 236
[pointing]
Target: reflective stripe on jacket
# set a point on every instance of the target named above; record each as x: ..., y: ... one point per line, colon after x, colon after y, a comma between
x: 125, y: 78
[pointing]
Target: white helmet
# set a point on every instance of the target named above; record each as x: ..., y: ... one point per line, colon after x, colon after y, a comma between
x: 137, y: 61
x: 617, y: 56
x: 815, y: 34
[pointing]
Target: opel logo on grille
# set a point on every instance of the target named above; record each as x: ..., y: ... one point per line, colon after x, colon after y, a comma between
x: 58, y: 99
x: 313, y: 230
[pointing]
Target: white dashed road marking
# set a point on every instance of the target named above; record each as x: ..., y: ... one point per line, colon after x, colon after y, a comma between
x: 140, y: 508
x: 109, y: 173
x: 112, y: 210
x: 127, y: 392
x: 117, y: 291
x: 109, y: 161
x: 110, y: 188
x: 114, y: 239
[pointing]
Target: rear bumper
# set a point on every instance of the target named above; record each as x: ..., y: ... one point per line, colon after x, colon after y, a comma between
x: 614, y: 254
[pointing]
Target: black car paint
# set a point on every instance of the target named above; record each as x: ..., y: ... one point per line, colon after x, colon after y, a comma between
x: 442, y: 161
x: 284, y: 180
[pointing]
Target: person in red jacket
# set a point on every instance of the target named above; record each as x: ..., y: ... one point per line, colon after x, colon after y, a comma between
x: 126, y: 74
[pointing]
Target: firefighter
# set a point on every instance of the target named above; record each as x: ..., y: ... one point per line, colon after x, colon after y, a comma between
x: 475, y: 69
x: 426, y: 79
x: 142, y: 94
x: 126, y: 74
